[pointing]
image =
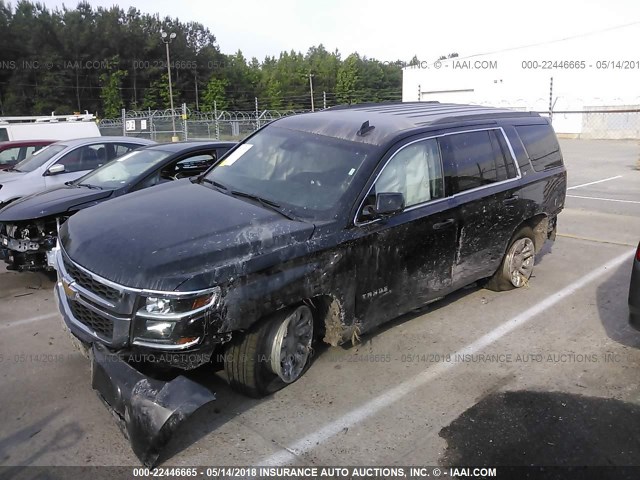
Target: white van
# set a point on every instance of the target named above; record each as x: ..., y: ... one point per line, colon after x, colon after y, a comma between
x: 58, y: 127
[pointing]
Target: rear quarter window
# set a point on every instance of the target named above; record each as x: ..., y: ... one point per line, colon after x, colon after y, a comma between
x: 541, y: 145
x: 4, y: 135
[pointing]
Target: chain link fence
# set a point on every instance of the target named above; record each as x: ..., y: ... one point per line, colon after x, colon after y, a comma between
x: 613, y: 123
x: 599, y: 123
x: 164, y: 125
x: 574, y: 117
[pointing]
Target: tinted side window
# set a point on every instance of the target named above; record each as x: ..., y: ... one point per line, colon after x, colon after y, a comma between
x: 473, y: 157
x: 71, y: 161
x: 541, y: 145
x: 84, y: 158
x: 4, y: 136
x: 17, y: 154
x: 505, y: 168
x: 10, y: 155
x: 221, y: 151
x: 193, y: 165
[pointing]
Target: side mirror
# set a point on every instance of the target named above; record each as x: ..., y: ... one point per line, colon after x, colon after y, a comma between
x: 54, y: 170
x: 389, y: 203
x: 386, y: 205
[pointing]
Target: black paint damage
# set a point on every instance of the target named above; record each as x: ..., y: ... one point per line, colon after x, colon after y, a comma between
x: 188, y: 236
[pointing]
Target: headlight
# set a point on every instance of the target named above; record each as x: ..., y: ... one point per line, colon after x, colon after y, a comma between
x: 175, y: 307
x: 173, y: 320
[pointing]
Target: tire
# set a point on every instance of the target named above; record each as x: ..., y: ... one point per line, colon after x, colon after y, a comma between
x: 517, y: 264
x: 261, y: 361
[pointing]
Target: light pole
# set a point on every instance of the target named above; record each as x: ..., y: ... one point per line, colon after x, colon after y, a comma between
x: 167, y: 38
x: 311, y: 75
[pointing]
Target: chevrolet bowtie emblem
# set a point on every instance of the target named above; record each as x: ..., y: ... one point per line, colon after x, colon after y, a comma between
x: 69, y: 292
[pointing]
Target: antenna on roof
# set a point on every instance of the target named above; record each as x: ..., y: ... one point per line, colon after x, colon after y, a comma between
x: 365, y: 128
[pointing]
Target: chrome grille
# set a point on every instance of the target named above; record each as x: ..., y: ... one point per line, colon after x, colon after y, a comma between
x: 96, y: 305
x: 87, y: 282
x: 91, y: 319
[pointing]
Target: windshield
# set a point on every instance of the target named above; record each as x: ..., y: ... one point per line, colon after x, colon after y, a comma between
x: 125, y: 169
x: 39, y: 158
x: 305, y: 172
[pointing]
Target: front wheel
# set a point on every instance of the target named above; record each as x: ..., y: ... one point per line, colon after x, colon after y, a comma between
x: 272, y: 355
x: 517, y: 264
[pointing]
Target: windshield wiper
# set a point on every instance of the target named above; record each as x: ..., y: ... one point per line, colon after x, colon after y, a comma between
x: 219, y: 186
x: 89, y: 186
x: 13, y: 169
x: 270, y: 204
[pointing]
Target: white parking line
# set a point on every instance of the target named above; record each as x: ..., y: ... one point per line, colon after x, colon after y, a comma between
x: 604, y: 199
x: 593, y: 183
x: 384, y: 400
x: 25, y: 321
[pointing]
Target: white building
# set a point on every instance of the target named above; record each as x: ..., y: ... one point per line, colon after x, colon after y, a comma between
x: 589, y: 73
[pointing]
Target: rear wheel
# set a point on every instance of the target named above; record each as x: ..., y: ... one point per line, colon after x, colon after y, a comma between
x: 272, y: 355
x: 517, y: 264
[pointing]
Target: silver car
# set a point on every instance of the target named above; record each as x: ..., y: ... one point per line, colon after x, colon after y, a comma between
x: 62, y: 162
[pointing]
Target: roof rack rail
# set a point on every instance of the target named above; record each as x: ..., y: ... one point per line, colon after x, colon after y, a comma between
x: 53, y: 118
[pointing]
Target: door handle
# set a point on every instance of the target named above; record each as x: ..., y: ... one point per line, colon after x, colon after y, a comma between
x: 510, y: 200
x: 445, y: 224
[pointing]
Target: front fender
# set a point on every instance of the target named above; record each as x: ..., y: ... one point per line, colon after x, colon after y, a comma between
x: 250, y: 298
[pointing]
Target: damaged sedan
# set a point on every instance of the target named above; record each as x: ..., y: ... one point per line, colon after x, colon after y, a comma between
x: 62, y: 162
x: 318, y: 227
x: 29, y: 226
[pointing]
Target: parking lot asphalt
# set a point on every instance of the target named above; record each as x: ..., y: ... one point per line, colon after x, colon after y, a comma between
x: 547, y: 374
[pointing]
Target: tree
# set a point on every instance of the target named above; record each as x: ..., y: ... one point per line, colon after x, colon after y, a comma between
x: 324, y: 66
x: 240, y: 89
x: 214, y: 95
x: 451, y: 55
x: 111, y: 95
x: 348, y: 77
x: 156, y: 96
x: 58, y: 60
x: 370, y: 82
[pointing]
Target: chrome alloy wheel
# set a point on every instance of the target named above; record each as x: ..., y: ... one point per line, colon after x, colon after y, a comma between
x: 291, y: 345
x: 520, y: 261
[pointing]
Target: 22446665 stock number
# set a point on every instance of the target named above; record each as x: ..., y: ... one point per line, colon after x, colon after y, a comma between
x: 165, y: 472
x: 215, y: 472
x: 554, y: 64
x: 580, y: 65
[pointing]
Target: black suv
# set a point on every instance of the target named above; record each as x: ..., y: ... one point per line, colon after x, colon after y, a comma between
x: 318, y: 226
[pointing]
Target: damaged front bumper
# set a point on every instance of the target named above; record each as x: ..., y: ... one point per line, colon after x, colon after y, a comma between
x: 148, y: 410
x: 28, y: 255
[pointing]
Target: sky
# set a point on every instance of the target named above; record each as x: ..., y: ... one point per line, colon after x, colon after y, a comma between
x: 389, y: 30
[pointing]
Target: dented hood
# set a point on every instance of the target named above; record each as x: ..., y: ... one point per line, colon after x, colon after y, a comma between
x: 164, y: 236
x: 52, y: 202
